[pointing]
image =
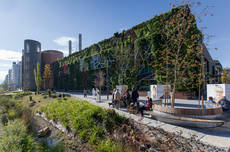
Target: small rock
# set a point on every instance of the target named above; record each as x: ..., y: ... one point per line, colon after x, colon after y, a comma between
x: 44, y: 132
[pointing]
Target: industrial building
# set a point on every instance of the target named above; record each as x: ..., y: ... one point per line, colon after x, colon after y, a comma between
x: 31, y: 55
x: 48, y: 57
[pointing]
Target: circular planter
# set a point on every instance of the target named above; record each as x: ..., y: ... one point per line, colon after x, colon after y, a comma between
x: 202, y: 113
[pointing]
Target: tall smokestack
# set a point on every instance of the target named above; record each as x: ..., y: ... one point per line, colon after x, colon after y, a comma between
x: 80, y: 42
x: 70, y: 47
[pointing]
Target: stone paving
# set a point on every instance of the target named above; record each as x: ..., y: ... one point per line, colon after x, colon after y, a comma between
x: 219, y: 137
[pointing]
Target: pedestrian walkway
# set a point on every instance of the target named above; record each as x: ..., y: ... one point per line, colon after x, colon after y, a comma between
x: 219, y: 137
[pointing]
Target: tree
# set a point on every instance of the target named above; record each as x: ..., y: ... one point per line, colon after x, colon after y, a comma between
x: 47, y: 75
x: 125, y: 65
x: 99, y: 82
x: 177, y: 62
x: 37, y: 77
x: 225, y: 78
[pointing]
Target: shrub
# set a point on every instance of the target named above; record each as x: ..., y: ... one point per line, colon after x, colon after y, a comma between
x: 10, y: 109
x: 90, y: 122
x: 4, y: 120
x: 49, y: 92
x: 15, y: 138
x: 109, y: 146
x: 54, y: 91
x: 31, y: 98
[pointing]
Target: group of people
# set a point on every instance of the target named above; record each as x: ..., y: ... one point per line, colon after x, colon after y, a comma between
x: 124, y: 98
x: 95, y: 93
x: 128, y: 100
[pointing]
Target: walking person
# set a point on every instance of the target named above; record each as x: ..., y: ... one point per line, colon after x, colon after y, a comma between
x: 127, y: 98
x: 93, y: 93
x: 117, y: 99
x: 98, y: 94
x: 85, y: 93
x: 113, y: 98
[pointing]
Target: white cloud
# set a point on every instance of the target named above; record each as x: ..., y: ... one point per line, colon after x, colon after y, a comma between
x: 3, y: 75
x: 6, y: 65
x: 64, y: 40
x: 9, y: 55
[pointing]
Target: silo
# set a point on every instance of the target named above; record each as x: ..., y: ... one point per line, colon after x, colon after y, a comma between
x: 31, y: 55
x: 48, y: 57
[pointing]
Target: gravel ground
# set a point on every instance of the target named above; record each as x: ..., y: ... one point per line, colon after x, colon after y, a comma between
x: 156, y: 140
x: 164, y: 141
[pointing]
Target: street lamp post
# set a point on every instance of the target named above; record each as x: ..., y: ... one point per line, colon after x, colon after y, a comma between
x: 107, y: 79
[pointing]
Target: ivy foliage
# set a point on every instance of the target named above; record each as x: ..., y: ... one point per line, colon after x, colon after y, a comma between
x: 132, y: 54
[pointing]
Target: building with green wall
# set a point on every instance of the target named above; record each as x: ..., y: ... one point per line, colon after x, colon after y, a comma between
x: 131, y: 57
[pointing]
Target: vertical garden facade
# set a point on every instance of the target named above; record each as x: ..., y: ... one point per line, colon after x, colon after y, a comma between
x: 130, y: 57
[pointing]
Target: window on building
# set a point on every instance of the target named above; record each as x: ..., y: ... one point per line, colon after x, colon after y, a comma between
x: 27, y: 48
x: 38, y: 49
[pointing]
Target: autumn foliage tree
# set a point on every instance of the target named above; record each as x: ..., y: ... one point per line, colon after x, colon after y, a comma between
x: 47, y: 75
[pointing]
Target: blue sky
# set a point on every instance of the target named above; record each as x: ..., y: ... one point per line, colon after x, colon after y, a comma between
x: 53, y: 22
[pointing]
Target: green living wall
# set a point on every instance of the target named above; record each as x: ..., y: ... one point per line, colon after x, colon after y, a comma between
x: 131, y: 55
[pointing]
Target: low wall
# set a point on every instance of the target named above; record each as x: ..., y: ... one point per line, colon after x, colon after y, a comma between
x: 185, y: 95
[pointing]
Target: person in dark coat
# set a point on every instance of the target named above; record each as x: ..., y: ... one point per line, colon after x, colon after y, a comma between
x: 224, y: 103
x: 135, y: 96
x: 127, y: 98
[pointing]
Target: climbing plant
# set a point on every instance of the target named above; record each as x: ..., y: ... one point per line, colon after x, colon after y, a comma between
x: 136, y: 53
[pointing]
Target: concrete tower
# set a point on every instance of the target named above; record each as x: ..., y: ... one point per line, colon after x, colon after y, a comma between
x: 80, y: 42
x: 31, y: 55
x: 70, y: 47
